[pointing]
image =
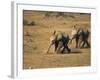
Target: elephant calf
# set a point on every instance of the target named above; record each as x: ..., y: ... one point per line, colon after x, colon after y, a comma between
x: 60, y: 41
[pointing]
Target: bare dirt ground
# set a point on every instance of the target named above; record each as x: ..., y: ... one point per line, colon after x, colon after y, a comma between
x: 36, y: 40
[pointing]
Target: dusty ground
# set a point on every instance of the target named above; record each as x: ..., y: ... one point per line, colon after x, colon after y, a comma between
x: 36, y: 40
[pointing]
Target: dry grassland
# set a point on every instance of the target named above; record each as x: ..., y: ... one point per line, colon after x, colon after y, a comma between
x: 37, y: 31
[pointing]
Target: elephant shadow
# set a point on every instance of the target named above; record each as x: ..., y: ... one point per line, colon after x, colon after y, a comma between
x: 73, y: 51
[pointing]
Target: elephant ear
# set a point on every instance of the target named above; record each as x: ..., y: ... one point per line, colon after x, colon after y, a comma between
x: 59, y: 35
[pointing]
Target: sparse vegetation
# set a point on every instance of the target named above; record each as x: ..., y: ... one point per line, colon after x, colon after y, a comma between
x: 59, y: 14
x: 32, y: 23
x: 36, y: 39
x: 27, y: 34
x: 27, y: 23
x: 48, y: 14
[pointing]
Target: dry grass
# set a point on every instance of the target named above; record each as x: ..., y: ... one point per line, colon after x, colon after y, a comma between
x: 36, y: 41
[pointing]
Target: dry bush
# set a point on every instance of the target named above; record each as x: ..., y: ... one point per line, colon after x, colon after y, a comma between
x: 27, y: 23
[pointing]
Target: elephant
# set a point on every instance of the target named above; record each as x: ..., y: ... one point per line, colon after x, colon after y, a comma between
x: 81, y: 37
x: 60, y: 41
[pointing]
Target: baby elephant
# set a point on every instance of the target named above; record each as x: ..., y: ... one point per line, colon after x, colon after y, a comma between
x: 60, y: 41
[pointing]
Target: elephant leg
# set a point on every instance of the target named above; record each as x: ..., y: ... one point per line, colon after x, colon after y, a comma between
x: 84, y: 42
x: 59, y: 47
x: 68, y: 49
x: 87, y: 43
x: 56, y: 45
x: 81, y: 43
x: 77, y: 42
x: 63, y: 50
x: 49, y: 48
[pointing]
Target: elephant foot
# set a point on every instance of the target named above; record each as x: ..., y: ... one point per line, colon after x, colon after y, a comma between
x: 69, y: 50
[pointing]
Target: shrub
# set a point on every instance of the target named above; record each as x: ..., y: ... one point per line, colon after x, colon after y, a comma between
x: 25, y: 22
x: 32, y: 23
x: 27, y: 34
